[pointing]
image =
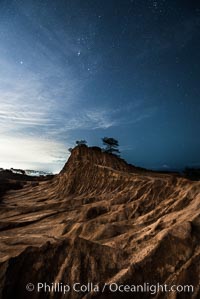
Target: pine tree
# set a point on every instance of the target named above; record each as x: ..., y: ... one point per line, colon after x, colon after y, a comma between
x: 111, y: 146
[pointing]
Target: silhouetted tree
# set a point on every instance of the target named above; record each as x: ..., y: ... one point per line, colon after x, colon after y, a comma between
x: 81, y: 142
x: 111, y: 146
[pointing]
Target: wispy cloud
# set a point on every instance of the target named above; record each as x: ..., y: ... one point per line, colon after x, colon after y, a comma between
x: 32, y: 111
x: 43, y: 83
x: 32, y: 101
x: 32, y: 152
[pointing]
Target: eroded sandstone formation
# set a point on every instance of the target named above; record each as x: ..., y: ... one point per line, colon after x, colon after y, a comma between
x: 101, y: 221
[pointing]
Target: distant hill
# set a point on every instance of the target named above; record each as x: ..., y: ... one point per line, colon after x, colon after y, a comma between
x: 27, y: 172
x: 14, y: 179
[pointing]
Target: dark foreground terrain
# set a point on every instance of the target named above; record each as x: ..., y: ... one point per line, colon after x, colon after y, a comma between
x: 102, y: 221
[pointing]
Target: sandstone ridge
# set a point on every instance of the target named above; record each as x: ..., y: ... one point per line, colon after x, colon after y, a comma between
x: 100, y: 220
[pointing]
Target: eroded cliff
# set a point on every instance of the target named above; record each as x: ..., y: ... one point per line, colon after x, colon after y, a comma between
x: 101, y: 221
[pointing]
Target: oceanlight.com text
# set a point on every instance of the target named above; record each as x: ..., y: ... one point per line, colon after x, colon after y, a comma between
x: 107, y: 287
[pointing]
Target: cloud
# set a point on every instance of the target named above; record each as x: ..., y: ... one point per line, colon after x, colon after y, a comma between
x: 144, y: 114
x: 29, y: 152
x: 32, y: 111
x: 21, y: 107
x: 43, y: 88
x: 86, y: 119
x: 29, y: 100
x: 165, y: 166
x: 29, y: 110
x: 100, y: 118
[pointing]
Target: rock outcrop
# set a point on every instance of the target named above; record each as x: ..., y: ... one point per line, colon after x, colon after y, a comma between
x: 100, y: 221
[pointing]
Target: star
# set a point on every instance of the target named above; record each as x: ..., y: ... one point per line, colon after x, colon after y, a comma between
x: 155, y: 4
x: 21, y: 62
x: 78, y: 53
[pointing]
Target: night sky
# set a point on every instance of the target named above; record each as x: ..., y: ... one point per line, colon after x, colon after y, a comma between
x: 79, y: 69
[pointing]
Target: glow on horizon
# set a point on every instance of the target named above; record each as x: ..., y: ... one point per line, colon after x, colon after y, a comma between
x: 32, y: 153
x: 71, y: 71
